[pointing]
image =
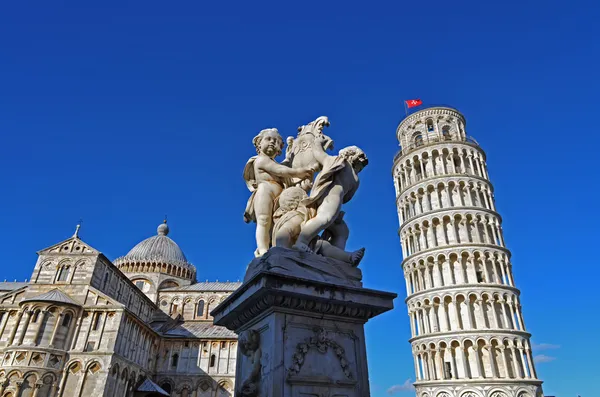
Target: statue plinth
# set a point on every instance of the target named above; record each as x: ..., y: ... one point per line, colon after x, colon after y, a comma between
x: 301, y: 332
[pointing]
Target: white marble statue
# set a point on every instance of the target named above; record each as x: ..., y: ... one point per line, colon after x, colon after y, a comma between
x: 266, y: 178
x: 335, y: 185
x: 289, y: 217
x: 310, y: 223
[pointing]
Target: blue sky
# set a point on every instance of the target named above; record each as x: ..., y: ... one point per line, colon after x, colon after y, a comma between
x: 122, y: 113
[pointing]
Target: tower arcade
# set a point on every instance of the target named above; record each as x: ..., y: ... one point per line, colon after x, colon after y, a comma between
x: 468, y: 336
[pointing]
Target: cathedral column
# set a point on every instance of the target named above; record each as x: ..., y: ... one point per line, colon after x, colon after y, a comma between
x: 4, y: 322
x: 19, y: 384
x: 13, y: 332
x: 102, y: 329
x: 59, y: 319
x: 36, y: 388
x: 77, y: 331
x: 53, y: 389
x: 42, y: 314
x: 91, y: 314
x: 27, y: 321
x: 3, y: 385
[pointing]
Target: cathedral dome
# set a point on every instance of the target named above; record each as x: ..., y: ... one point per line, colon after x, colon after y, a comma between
x: 158, y: 253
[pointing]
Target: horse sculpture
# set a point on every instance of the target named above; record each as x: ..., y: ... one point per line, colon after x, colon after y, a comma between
x: 299, y: 153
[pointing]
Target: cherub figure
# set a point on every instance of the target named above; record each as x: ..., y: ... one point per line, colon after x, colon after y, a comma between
x: 334, y: 186
x: 289, y: 218
x: 266, y: 178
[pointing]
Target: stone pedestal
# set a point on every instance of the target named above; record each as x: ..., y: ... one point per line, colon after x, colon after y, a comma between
x: 301, y: 336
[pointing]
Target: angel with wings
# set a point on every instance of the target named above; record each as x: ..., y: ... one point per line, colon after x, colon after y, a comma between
x: 266, y: 179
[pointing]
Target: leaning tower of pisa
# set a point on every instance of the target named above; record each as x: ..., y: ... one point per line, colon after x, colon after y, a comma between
x: 468, y: 334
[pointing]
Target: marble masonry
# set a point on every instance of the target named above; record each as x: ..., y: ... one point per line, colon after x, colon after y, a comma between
x: 468, y: 333
x: 137, y: 326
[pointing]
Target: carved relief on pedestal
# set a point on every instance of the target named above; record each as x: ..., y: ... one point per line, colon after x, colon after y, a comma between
x: 321, y: 343
x: 249, y: 342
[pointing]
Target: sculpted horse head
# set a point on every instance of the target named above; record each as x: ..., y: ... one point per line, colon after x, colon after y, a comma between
x: 301, y: 151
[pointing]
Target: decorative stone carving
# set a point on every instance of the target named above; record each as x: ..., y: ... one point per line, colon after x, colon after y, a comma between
x: 318, y: 213
x: 250, y: 346
x: 290, y: 214
x: 322, y: 343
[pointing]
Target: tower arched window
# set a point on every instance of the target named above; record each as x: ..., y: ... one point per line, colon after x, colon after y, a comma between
x: 34, y: 318
x: 200, y: 310
x: 419, y: 140
x: 213, y: 358
x: 446, y: 132
x: 429, y: 124
x: 174, y: 360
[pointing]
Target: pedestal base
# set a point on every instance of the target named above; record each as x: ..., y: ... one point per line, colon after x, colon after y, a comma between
x: 300, y: 337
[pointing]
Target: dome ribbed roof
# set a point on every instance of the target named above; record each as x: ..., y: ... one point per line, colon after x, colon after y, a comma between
x: 160, y: 249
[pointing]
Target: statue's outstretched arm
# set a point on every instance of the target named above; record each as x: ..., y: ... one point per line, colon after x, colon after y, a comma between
x: 283, y: 171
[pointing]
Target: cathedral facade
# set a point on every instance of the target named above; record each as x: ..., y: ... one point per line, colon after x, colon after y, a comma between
x: 139, y: 326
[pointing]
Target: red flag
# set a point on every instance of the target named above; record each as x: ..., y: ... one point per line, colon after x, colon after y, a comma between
x: 411, y: 103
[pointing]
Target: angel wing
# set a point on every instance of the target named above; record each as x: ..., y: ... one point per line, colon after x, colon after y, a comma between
x: 249, y: 175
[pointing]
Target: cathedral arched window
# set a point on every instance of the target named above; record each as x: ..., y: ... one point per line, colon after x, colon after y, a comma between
x: 429, y: 124
x: 174, y: 360
x: 166, y: 387
x: 200, y: 310
x: 106, y: 277
x: 213, y: 358
x: 34, y: 318
x: 63, y: 273
x: 66, y: 320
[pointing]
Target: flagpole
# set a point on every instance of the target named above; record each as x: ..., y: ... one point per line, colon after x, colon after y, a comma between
x: 405, y: 109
